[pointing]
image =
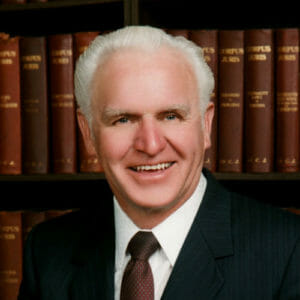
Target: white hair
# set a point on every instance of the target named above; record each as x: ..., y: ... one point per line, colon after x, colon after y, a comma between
x: 143, y: 38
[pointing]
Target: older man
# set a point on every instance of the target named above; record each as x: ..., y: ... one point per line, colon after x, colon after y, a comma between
x: 169, y: 231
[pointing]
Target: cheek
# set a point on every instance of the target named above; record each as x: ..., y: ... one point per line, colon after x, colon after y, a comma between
x: 112, y: 146
x: 188, y: 140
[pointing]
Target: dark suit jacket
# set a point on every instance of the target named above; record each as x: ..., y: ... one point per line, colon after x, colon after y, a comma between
x: 237, y: 249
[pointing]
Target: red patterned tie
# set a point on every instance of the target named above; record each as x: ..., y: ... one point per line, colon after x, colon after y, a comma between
x: 137, y: 283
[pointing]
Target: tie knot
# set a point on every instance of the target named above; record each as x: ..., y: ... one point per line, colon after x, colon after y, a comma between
x: 142, y: 245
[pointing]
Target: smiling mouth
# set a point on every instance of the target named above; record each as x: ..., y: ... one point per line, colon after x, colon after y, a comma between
x: 152, y: 168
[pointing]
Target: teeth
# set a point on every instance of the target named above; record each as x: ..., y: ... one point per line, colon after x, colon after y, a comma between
x: 157, y: 167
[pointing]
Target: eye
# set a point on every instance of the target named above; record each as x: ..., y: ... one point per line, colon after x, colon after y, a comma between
x: 121, y: 120
x: 170, y: 116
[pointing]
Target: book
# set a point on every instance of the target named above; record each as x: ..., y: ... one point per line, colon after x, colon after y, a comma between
x: 178, y: 32
x: 259, y: 100
x: 62, y: 100
x: 11, y: 249
x: 34, y: 99
x: 287, y: 99
x: 54, y: 213
x: 31, y: 218
x: 88, y: 161
x: 208, y: 41
x: 10, y: 109
x: 231, y: 100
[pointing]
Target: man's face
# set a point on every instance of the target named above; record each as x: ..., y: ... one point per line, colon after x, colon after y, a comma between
x: 149, y: 132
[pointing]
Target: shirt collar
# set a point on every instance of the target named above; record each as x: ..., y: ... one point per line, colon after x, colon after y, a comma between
x: 171, y: 233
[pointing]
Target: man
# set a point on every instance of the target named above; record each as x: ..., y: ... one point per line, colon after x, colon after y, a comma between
x: 145, y: 109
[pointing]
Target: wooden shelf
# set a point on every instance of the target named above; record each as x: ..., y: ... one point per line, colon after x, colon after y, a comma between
x: 270, y: 177
x: 42, y: 19
x: 274, y: 176
x: 53, y: 4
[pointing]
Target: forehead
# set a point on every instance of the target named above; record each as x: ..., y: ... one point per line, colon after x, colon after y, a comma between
x: 161, y: 75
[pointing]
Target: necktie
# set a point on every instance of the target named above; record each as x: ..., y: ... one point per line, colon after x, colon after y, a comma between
x: 137, y: 283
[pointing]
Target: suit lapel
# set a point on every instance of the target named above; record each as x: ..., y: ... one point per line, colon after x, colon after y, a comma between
x: 196, y: 274
x: 94, y: 260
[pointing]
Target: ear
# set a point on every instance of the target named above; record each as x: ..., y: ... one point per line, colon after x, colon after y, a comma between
x: 85, y: 135
x: 207, y: 126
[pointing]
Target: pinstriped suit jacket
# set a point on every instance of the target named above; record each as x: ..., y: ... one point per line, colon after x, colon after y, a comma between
x: 237, y: 249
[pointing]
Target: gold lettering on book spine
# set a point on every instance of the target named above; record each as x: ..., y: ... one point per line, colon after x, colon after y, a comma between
x: 231, y: 55
x: 230, y: 100
x: 287, y: 102
x: 258, y: 53
x: 257, y: 98
x: 62, y: 100
x: 208, y: 52
x: 7, y: 57
x: 9, y: 276
x: 233, y: 161
x: 61, y: 56
x: 5, y: 102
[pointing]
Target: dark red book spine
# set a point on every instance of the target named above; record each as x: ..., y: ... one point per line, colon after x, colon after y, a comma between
x: 63, y: 121
x: 208, y: 41
x: 287, y: 100
x: 11, y: 248
x: 231, y: 100
x: 259, y: 93
x: 10, y: 106
x: 88, y: 162
x: 34, y: 99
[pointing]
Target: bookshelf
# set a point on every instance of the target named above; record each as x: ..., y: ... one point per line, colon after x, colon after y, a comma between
x: 88, y: 15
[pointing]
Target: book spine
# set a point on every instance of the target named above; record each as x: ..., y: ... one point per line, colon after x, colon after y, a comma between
x: 29, y: 220
x: 11, y: 248
x: 34, y: 99
x: 88, y: 162
x: 231, y: 100
x: 10, y: 110
x: 63, y: 122
x: 287, y: 100
x: 208, y: 41
x: 178, y: 32
x: 259, y: 106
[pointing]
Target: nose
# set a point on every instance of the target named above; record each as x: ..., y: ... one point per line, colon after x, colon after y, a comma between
x: 149, y: 137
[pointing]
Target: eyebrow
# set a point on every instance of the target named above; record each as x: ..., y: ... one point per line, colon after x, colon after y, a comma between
x: 110, y: 113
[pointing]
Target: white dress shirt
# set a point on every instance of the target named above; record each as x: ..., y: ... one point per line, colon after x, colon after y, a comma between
x: 171, y: 234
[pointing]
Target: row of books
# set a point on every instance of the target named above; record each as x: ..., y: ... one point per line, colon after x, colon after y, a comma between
x: 38, y: 126
x: 14, y: 229
x: 256, y: 124
x: 256, y: 128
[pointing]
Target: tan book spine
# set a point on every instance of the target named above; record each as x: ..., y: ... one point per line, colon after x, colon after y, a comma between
x: 287, y: 100
x: 10, y: 106
x: 11, y: 248
x: 208, y: 41
x: 259, y: 93
x: 231, y: 100
x: 62, y: 99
